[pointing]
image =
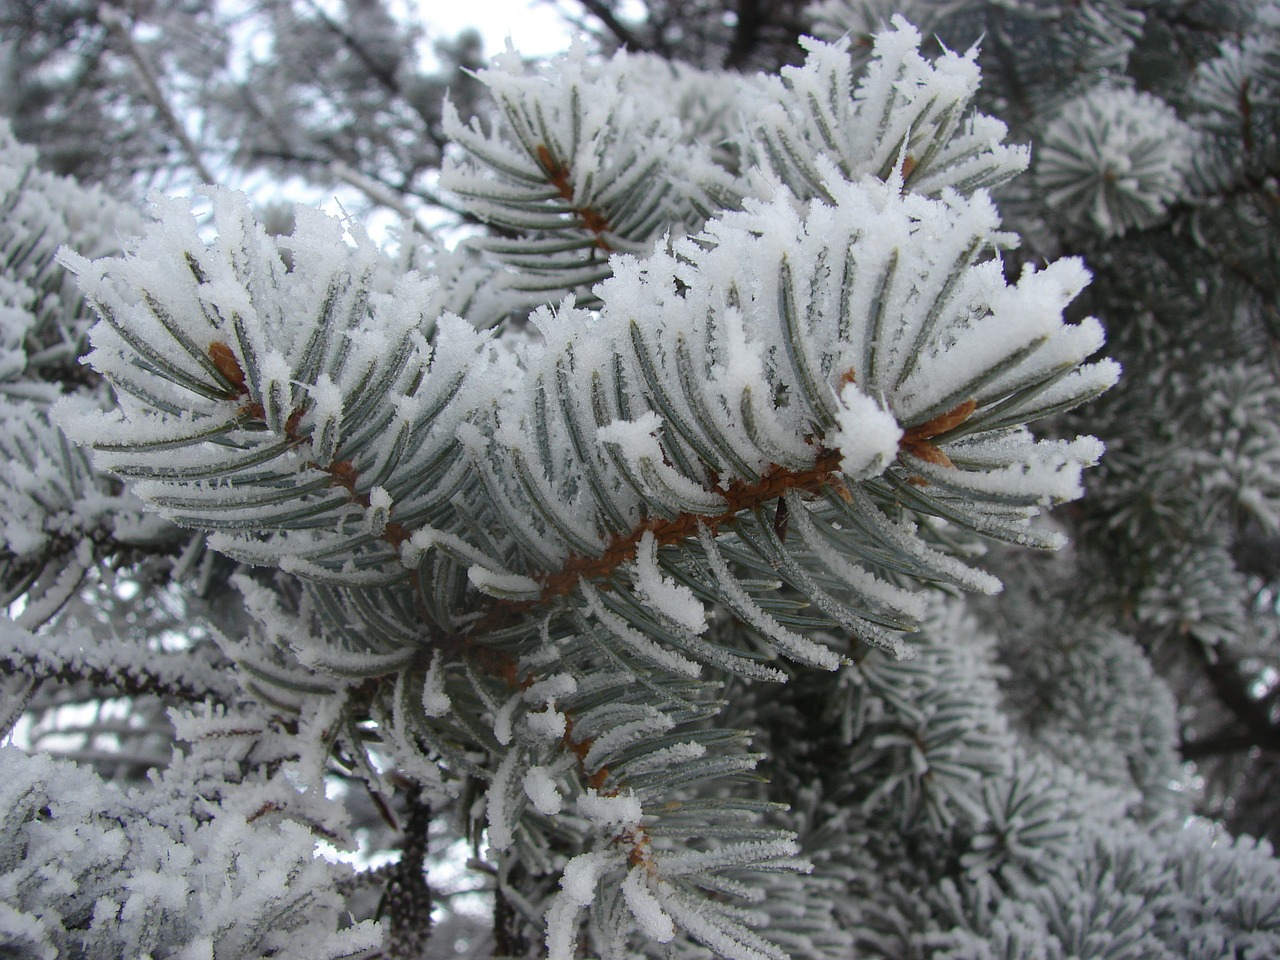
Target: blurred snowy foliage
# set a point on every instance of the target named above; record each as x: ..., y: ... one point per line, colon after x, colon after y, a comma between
x: 1115, y: 159
x: 198, y: 863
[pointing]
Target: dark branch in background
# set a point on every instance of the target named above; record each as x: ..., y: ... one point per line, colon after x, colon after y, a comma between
x: 408, y: 895
x: 136, y: 682
x: 746, y: 33
x: 620, y: 30
x: 386, y: 79
x: 509, y: 939
x: 346, y: 163
x: 1010, y: 75
x: 1231, y: 683
x: 1216, y: 746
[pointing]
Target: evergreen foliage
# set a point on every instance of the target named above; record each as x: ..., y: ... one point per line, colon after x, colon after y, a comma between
x: 688, y: 539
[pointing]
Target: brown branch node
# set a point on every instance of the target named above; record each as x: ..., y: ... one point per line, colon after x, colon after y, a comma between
x: 592, y: 219
x: 226, y: 363
x: 740, y: 496
x: 918, y: 440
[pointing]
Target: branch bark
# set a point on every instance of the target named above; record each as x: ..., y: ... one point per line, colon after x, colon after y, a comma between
x: 620, y: 30
x: 408, y: 895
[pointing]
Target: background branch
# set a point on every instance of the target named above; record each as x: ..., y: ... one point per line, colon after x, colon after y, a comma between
x: 113, y: 18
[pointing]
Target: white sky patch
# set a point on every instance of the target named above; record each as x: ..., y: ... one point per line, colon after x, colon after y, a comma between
x: 534, y: 26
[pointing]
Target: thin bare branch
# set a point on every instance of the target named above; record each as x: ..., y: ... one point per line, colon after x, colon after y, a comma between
x: 113, y: 18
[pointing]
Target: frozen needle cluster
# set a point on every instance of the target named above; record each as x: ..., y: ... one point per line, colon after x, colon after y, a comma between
x: 578, y: 505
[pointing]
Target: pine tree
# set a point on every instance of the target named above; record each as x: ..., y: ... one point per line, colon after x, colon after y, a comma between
x: 679, y: 540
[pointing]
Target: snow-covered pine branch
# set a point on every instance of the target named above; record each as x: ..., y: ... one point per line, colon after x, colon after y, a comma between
x: 872, y: 328
x: 203, y: 863
x: 57, y: 517
x: 739, y: 423
x: 585, y: 159
x: 902, y: 112
x: 283, y: 409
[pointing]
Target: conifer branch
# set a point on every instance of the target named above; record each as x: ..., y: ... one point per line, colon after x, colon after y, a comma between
x: 548, y: 565
x: 740, y: 497
x: 604, y: 585
x: 133, y: 682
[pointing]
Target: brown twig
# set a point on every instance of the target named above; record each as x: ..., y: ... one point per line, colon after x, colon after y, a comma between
x: 740, y: 496
x: 592, y: 219
x: 918, y: 440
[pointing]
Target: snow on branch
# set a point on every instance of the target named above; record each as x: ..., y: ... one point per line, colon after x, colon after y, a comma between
x: 152, y: 874
x: 583, y: 161
x: 903, y: 113
x: 767, y: 418
x: 293, y: 410
x: 119, y: 666
x: 775, y: 350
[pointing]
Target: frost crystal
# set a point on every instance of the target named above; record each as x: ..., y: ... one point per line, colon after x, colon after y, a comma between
x: 622, y: 809
x: 542, y: 791
x: 582, y: 873
x: 435, y: 702
x: 644, y: 906
x: 548, y: 724
x: 866, y: 435
x: 674, y: 600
